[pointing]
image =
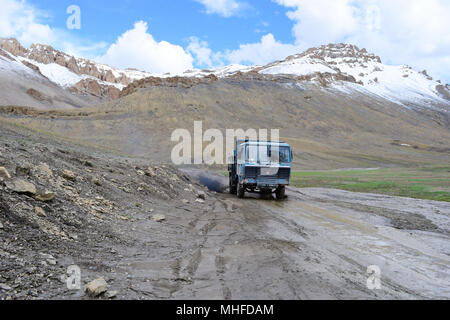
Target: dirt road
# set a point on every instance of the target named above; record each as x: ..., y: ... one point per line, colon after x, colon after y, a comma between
x: 315, y: 245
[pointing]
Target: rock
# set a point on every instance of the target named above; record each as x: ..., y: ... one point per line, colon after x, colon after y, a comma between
x: 37, y: 95
x: 89, y: 86
x: 96, y: 287
x: 5, y: 287
x: 87, y: 163
x: 52, y: 262
x: 45, y: 196
x: 73, y: 236
x: 46, y: 255
x: 150, y: 172
x: 13, y: 46
x: 111, y: 294
x: 96, y: 181
x: 158, y: 217
x: 201, y: 195
x: 200, y: 200
x: 68, y: 175
x: 4, y: 174
x: 43, y: 170
x: 40, y: 212
x: 1, y: 225
x: 124, y: 218
x: 23, y: 169
x: 21, y: 186
x: 185, y: 201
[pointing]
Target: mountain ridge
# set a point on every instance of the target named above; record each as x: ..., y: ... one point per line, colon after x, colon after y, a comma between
x: 343, y: 66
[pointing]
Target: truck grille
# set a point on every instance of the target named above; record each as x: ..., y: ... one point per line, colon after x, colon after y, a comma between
x: 254, y: 172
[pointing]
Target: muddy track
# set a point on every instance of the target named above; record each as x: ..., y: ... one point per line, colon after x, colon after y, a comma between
x: 300, y: 248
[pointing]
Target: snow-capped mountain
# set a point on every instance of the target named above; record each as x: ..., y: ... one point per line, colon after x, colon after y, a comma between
x: 69, y: 72
x: 343, y: 67
x: 335, y: 62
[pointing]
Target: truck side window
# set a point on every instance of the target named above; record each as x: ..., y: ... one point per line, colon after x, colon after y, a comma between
x: 284, y: 154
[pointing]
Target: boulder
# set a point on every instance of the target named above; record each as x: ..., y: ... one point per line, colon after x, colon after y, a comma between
x: 158, y: 217
x: 201, y: 195
x: 5, y: 287
x: 40, y: 212
x: 111, y: 294
x: 21, y: 186
x: 4, y: 174
x: 43, y: 170
x: 150, y: 172
x: 96, y: 287
x: 68, y: 175
x: 23, y: 169
x: 45, y: 196
x: 96, y: 181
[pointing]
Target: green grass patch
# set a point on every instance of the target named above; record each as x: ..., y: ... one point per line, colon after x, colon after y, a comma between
x: 431, y: 183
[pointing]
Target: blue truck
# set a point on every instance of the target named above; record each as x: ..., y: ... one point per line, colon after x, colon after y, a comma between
x: 260, y: 167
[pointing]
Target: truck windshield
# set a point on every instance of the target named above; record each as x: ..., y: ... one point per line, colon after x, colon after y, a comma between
x: 264, y: 153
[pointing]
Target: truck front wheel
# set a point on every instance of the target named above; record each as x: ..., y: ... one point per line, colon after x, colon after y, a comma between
x: 281, y: 192
x: 240, y: 191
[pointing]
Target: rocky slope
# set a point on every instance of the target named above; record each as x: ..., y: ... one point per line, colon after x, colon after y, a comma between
x: 22, y: 84
x: 67, y: 71
x: 63, y: 204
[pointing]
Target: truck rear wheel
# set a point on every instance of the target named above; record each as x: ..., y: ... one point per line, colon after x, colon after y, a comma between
x: 281, y: 192
x: 232, y: 185
x: 240, y: 191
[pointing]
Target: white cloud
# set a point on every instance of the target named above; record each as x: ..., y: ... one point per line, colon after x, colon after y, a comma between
x: 136, y: 48
x: 201, y: 51
x: 263, y: 52
x: 225, y: 8
x: 83, y: 49
x: 20, y: 20
x: 413, y: 32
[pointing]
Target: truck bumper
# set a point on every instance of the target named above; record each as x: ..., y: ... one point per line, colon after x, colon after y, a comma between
x: 262, y: 182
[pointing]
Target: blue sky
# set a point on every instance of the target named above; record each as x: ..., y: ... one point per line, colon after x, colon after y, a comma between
x: 159, y: 36
x: 173, y: 21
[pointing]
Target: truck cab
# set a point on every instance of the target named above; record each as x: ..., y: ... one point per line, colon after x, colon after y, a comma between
x: 260, y: 167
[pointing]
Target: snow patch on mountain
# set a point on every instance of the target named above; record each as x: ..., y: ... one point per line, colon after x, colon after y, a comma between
x: 299, y: 67
x: 9, y: 64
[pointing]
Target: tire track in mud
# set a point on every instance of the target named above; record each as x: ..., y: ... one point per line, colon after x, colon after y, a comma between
x: 266, y: 249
